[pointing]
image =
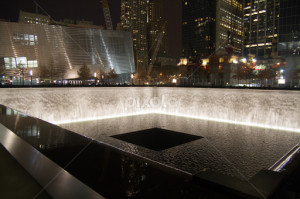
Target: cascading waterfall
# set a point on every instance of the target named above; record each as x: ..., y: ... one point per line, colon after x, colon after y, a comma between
x: 263, y: 108
x: 249, y: 149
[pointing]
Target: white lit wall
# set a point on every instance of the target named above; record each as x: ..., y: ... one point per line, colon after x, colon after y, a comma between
x: 61, y: 48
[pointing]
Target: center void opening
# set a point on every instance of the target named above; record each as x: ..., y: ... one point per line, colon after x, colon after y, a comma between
x: 157, y: 139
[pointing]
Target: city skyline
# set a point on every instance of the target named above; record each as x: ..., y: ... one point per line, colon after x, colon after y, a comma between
x: 211, y: 27
x: 92, y: 11
x: 150, y: 99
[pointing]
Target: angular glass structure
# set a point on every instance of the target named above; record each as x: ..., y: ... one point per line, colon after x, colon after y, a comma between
x: 63, y: 50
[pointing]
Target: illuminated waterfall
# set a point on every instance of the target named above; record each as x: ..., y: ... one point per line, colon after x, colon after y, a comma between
x: 267, y: 109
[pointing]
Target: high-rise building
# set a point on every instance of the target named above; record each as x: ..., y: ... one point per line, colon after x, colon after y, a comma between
x: 155, y: 27
x: 229, y: 26
x: 154, y: 10
x: 211, y: 27
x: 261, y: 23
x: 33, y: 18
x: 134, y: 19
x: 289, y: 28
x: 289, y: 41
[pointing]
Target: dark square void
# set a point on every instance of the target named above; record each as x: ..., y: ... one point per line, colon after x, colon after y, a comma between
x: 157, y: 139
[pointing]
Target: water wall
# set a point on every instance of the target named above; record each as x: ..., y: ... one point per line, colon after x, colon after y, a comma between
x: 264, y: 108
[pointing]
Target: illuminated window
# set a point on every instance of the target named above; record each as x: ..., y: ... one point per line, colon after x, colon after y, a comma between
x: 21, y: 62
x: 25, y: 39
x: 32, y: 64
x: 10, y: 62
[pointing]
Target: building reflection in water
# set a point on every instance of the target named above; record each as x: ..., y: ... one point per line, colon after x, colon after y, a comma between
x: 132, y: 175
x: 108, y: 171
x: 41, y: 135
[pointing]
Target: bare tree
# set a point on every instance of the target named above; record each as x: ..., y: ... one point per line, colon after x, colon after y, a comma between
x: 265, y: 75
x: 84, y: 72
x: 293, y: 76
x: 243, y: 72
x: 43, y: 72
x: 21, y: 71
x: 2, y: 70
x: 111, y: 75
x: 54, y: 73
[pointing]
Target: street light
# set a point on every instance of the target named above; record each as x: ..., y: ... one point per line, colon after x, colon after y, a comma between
x: 131, y: 79
x: 235, y: 61
x: 95, y: 75
x: 244, y: 60
x: 30, y: 73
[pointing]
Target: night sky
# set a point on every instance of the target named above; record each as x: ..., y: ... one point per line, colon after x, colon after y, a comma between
x: 91, y: 10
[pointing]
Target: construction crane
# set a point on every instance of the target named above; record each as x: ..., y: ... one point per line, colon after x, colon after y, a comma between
x: 155, y: 51
x: 107, y: 17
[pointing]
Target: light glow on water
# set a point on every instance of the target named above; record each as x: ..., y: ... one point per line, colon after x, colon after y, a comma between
x: 181, y: 115
x: 277, y: 110
x: 100, y: 118
x: 278, y: 166
x: 235, y: 122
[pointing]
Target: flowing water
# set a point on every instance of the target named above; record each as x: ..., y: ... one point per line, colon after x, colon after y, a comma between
x: 243, y: 131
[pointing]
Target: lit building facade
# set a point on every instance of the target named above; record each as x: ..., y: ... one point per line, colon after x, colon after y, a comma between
x: 63, y: 50
x: 229, y: 26
x: 198, y: 28
x: 134, y: 19
x: 33, y: 18
x: 261, y: 24
x: 155, y: 27
x: 210, y: 26
x: 289, y: 28
x: 289, y: 41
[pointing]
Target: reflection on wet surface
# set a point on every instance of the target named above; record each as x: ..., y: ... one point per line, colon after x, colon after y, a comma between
x: 118, y: 169
x: 236, y: 150
x: 111, y: 173
x: 157, y: 139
